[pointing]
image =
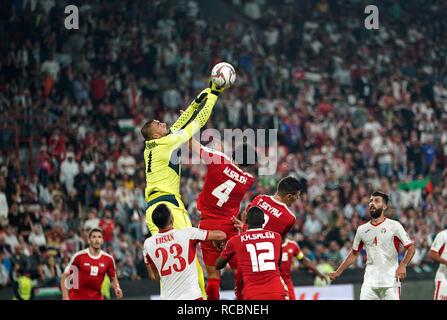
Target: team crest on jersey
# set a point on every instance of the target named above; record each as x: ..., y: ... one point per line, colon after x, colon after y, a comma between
x: 290, y: 250
x: 101, y: 265
x: 383, y: 230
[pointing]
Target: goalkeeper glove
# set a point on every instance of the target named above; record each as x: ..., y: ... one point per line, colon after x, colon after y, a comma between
x: 202, y: 96
x: 215, y: 89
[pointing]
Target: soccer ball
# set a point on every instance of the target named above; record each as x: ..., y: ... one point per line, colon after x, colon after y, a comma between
x: 223, y: 75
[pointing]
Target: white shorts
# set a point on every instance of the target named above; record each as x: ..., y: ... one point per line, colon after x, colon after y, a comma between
x: 440, y: 290
x: 388, y: 293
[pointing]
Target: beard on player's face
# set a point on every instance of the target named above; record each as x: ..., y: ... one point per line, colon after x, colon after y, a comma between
x: 375, y: 211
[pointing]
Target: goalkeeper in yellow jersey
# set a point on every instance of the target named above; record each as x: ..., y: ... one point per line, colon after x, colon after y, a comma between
x: 162, y: 158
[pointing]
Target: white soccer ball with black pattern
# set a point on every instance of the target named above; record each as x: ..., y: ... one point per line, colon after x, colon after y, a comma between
x: 223, y: 75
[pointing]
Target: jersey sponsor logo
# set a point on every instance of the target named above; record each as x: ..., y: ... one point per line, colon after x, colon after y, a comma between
x: 164, y: 239
x: 235, y: 176
x: 151, y: 145
x: 86, y: 264
x: 101, y: 265
x: 264, y: 205
x: 367, y: 231
x: 256, y: 236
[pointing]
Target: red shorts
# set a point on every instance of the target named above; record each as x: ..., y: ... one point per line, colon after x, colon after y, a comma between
x: 209, y: 251
x: 289, y: 284
x: 268, y: 296
x: 275, y: 289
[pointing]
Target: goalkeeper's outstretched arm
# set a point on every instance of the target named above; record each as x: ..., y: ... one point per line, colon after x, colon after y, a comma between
x: 200, y: 120
x: 189, y: 112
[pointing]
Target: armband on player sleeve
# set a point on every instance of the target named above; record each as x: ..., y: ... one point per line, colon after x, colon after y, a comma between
x: 300, y: 256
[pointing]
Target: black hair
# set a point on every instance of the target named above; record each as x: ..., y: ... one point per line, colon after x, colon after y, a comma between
x: 384, y: 196
x: 245, y: 155
x: 255, y: 217
x: 288, y: 185
x: 161, y: 216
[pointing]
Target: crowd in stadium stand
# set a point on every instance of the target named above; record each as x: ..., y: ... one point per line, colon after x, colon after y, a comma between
x: 356, y: 110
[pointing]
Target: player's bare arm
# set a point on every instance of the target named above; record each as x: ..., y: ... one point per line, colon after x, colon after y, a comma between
x: 116, y: 287
x: 216, y: 235
x: 244, y: 215
x: 153, y: 273
x: 437, y: 257
x: 64, y: 289
x: 221, y: 263
x: 307, y: 264
x: 401, y: 271
x: 350, y: 259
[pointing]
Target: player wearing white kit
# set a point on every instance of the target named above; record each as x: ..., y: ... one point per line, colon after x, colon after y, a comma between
x: 381, y: 238
x: 438, y: 253
x: 170, y: 254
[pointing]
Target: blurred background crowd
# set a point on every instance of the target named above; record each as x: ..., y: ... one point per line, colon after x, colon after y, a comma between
x: 356, y: 110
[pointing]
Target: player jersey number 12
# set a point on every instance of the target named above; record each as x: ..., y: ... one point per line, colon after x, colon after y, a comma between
x: 258, y: 262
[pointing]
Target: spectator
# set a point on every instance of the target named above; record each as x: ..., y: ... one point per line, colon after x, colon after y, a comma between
x: 3, y: 208
x: 4, y: 273
x: 69, y: 170
x: 312, y: 224
x: 126, y: 163
x: 92, y: 221
x: 51, y: 272
x: 11, y: 238
x: 332, y: 255
x: 137, y: 218
x: 107, y: 225
x: 20, y: 259
x: 52, y: 67
x: 129, y: 271
x: 108, y: 197
x: 37, y: 237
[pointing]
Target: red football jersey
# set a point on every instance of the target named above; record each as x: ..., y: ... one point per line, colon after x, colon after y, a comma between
x: 277, y: 216
x: 88, y: 274
x: 225, y: 186
x: 290, y: 251
x: 258, y: 252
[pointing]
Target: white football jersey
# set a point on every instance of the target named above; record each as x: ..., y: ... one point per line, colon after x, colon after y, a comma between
x: 439, y: 246
x: 381, y: 243
x: 173, y: 254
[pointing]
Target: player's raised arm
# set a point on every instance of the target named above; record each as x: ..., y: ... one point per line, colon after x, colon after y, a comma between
x: 182, y: 136
x: 189, y: 112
